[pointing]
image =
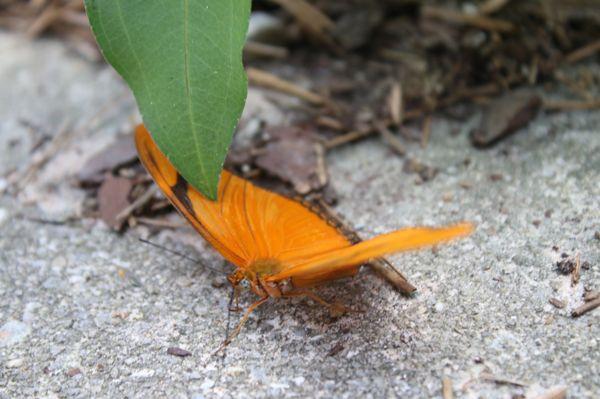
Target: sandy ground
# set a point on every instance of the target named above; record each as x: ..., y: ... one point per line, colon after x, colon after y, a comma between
x: 85, y: 312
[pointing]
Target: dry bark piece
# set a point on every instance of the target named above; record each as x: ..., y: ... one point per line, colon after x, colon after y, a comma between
x: 119, y: 153
x: 557, y: 303
x: 175, y: 351
x: 72, y: 372
x: 586, y: 307
x: 505, y: 115
x: 113, y: 198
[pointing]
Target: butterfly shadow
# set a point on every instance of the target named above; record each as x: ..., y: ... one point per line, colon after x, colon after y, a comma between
x: 287, y: 319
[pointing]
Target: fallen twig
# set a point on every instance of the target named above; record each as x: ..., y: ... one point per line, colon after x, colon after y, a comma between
x: 447, y: 388
x: 492, y: 6
x: 390, y: 139
x: 426, y: 131
x: 160, y: 223
x: 570, y: 105
x: 265, y: 50
x: 501, y: 380
x: 266, y: 79
x: 312, y: 20
x: 456, y: 17
x: 396, y: 104
x: 576, y: 274
x: 591, y: 295
x: 138, y: 203
x: 586, y: 307
x: 584, y: 52
x: 348, y: 137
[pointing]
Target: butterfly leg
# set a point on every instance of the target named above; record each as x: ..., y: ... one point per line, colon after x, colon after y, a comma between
x: 335, y: 308
x: 241, y: 323
x: 235, y: 279
x: 235, y: 295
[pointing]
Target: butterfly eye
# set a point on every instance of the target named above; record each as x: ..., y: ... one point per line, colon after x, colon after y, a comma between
x: 244, y: 283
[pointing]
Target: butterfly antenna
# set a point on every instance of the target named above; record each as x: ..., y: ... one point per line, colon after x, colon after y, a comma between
x: 181, y: 254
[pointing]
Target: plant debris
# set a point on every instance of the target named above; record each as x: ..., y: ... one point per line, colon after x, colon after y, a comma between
x: 295, y: 157
x: 586, y: 307
x: 506, y: 115
x: 425, y: 172
x: 175, y: 351
x: 120, y: 153
x: 447, y: 392
x: 337, y: 348
x: 566, y: 265
x: 113, y: 198
x: 72, y: 372
x: 591, y: 295
x: 557, y: 303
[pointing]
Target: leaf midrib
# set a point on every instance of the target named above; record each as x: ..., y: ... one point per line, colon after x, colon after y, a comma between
x: 188, y: 86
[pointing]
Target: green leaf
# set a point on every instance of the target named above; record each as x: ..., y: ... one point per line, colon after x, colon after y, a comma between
x: 183, y: 61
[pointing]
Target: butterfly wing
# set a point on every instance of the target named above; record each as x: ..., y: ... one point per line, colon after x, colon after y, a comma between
x: 246, y: 223
x: 205, y: 216
x: 280, y: 228
x: 344, y: 260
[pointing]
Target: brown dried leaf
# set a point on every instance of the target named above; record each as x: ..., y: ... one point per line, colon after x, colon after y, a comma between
x: 113, y: 198
x: 295, y: 158
x: 120, y: 152
x: 506, y: 115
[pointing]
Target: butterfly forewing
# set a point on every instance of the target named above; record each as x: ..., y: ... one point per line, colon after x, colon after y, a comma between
x: 246, y: 223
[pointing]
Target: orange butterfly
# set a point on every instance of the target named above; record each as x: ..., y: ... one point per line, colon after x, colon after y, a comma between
x: 277, y: 245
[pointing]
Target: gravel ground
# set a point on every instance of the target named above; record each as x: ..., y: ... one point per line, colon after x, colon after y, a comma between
x: 86, y: 312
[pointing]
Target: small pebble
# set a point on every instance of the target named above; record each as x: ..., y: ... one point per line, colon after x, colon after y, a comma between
x: 15, y: 363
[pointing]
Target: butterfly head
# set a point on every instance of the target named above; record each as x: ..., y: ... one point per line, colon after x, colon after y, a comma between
x: 253, y: 277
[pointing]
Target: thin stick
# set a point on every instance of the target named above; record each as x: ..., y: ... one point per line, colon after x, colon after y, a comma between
x: 321, y: 169
x: 266, y: 79
x: 586, y: 307
x: 492, y: 6
x: 460, y: 18
x: 396, y: 104
x: 138, y: 203
x: 426, y: 131
x: 571, y: 105
x: 583, y: 52
x: 390, y: 139
x: 501, y: 380
x: 348, y: 138
x: 265, y: 50
x: 160, y: 223
x: 576, y: 273
x: 447, y: 392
